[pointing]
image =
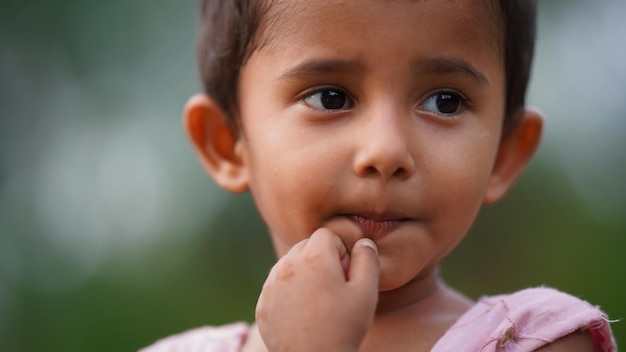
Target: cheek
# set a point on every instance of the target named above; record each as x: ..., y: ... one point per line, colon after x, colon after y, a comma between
x: 296, y: 161
x: 461, y: 180
x: 290, y: 184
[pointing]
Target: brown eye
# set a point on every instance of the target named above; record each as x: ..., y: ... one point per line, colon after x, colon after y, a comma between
x: 447, y: 103
x: 329, y: 99
x: 443, y: 103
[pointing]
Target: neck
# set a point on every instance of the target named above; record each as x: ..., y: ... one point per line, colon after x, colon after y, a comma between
x: 411, y: 295
x: 414, y: 316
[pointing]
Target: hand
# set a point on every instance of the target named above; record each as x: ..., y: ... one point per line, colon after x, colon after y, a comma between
x: 318, y: 297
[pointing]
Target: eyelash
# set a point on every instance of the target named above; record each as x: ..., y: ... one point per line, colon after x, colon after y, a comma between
x: 346, y: 102
x: 332, y: 93
x: 462, y: 102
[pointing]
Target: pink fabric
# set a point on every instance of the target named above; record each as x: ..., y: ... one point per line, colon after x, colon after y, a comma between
x: 519, y: 322
x: 225, y: 338
x: 525, y: 321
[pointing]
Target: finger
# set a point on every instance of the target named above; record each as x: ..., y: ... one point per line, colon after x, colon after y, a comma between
x: 326, y: 248
x: 325, y: 239
x: 271, y: 276
x: 298, y: 247
x: 345, y: 266
x: 283, y: 264
x: 365, y: 265
x: 293, y: 251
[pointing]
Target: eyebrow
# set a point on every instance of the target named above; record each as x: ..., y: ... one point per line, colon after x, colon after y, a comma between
x: 450, y: 65
x: 316, y: 67
x: 438, y: 65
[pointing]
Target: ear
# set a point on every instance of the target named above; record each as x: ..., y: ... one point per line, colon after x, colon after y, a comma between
x: 515, y: 151
x: 219, y: 150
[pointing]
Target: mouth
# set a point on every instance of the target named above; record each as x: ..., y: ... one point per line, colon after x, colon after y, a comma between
x: 377, y: 227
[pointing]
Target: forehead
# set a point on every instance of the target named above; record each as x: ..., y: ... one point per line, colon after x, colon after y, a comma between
x: 475, y: 22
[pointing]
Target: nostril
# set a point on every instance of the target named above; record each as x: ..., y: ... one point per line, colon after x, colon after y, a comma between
x: 384, y: 163
x: 400, y: 172
x: 371, y: 170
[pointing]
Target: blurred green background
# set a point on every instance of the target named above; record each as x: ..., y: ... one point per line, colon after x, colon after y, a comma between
x: 112, y: 236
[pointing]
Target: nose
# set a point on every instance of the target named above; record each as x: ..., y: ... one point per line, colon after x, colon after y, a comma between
x: 384, y: 147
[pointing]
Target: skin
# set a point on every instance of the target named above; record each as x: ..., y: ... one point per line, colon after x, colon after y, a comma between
x: 364, y: 199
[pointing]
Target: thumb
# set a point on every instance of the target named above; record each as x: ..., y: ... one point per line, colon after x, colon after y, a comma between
x: 364, y: 264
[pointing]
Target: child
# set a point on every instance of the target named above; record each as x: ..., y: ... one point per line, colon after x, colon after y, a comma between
x: 370, y: 133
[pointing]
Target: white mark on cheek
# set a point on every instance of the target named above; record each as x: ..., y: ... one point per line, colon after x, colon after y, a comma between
x: 484, y: 135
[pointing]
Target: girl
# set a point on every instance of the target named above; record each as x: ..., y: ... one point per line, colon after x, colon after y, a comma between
x: 370, y: 133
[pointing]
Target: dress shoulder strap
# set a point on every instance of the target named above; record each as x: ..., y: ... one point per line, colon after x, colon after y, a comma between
x: 225, y: 338
x: 525, y: 321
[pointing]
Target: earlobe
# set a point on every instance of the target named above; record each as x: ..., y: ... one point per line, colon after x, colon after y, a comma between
x: 219, y: 150
x: 515, y: 152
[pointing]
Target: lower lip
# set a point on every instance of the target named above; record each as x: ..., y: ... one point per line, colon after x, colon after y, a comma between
x: 375, y: 229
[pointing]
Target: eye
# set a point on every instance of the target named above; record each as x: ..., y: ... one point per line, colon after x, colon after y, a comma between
x: 328, y: 99
x: 444, y: 103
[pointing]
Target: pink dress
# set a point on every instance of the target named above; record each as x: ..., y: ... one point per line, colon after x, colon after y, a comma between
x: 519, y: 322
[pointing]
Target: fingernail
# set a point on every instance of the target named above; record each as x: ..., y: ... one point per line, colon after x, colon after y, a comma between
x: 366, y: 242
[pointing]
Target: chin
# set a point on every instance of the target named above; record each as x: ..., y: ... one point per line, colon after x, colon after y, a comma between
x: 391, y: 278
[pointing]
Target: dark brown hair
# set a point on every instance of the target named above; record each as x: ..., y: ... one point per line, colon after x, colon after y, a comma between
x: 229, y: 34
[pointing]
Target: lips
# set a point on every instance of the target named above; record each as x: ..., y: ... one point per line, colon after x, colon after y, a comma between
x: 376, y: 228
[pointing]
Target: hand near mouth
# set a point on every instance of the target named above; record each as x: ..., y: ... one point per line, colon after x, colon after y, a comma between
x: 318, y: 297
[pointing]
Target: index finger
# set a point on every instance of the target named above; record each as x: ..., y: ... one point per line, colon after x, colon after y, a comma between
x: 323, y: 242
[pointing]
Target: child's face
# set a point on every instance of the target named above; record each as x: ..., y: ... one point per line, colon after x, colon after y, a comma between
x: 374, y: 118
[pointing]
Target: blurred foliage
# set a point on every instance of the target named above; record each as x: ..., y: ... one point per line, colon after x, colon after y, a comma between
x: 90, y: 263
